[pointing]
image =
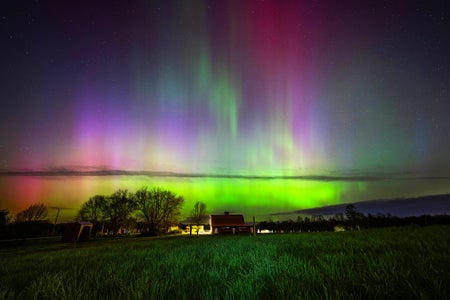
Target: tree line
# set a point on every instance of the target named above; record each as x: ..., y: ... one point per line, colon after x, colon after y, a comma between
x: 159, y: 208
x: 350, y: 219
x: 153, y: 211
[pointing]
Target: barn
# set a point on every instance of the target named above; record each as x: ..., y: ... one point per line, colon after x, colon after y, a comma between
x: 230, y: 224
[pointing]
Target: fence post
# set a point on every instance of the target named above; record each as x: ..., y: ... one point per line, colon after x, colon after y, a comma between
x: 254, y: 226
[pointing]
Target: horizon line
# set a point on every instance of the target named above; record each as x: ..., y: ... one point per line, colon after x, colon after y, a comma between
x: 116, y: 172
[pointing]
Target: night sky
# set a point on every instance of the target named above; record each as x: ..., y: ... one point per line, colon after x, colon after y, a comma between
x: 251, y: 88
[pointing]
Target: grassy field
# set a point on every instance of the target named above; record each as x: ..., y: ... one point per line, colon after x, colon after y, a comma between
x: 407, y: 263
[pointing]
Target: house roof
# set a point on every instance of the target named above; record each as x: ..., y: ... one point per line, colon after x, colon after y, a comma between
x: 227, y: 220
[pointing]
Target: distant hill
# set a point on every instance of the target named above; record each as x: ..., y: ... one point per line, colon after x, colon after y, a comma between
x: 401, y: 207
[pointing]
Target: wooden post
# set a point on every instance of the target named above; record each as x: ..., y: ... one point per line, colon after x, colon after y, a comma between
x: 254, y: 226
x: 56, y: 221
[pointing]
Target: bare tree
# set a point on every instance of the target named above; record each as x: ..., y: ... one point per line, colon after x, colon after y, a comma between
x: 161, y: 208
x: 198, y: 214
x: 35, y: 212
x: 92, y: 210
x: 118, y: 208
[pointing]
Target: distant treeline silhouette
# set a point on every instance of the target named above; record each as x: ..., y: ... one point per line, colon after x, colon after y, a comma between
x: 350, y: 220
x: 114, y: 213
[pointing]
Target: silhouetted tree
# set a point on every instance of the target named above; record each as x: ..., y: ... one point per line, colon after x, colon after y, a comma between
x: 354, y: 217
x: 35, y: 212
x: 199, y: 213
x: 4, y: 216
x: 118, y: 208
x: 161, y: 208
x: 92, y: 210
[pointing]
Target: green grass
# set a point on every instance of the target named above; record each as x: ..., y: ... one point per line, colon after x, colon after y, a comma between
x: 406, y: 263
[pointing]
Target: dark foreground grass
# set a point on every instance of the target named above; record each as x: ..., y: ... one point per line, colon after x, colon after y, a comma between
x: 406, y: 263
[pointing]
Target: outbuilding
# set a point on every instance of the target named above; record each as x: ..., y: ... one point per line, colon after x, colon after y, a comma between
x: 77, y: 231
x: 229, y: 224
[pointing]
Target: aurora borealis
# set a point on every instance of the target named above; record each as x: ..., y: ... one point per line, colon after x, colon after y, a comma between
x: 272, y: 89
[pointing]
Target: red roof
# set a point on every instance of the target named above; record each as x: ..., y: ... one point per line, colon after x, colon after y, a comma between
x: 227, y: 220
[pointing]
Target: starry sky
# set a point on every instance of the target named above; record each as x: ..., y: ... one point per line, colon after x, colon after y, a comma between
x: 272, y: 89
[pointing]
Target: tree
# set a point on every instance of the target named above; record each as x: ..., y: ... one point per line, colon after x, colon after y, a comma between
x: 35, y: 212
x: 199, y: 213
x: 92, y: 210
x: 4, y: 218
x: 118, y: 208
x: 354, y: 217
x: 161, y: 208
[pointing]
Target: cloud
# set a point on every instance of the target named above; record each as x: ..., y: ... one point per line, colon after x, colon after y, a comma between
x: 432, y: 205
x: 101, y: 171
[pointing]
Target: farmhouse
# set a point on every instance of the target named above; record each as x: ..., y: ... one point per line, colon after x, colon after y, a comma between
x: 230, y: 224
x: 191, y: 226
